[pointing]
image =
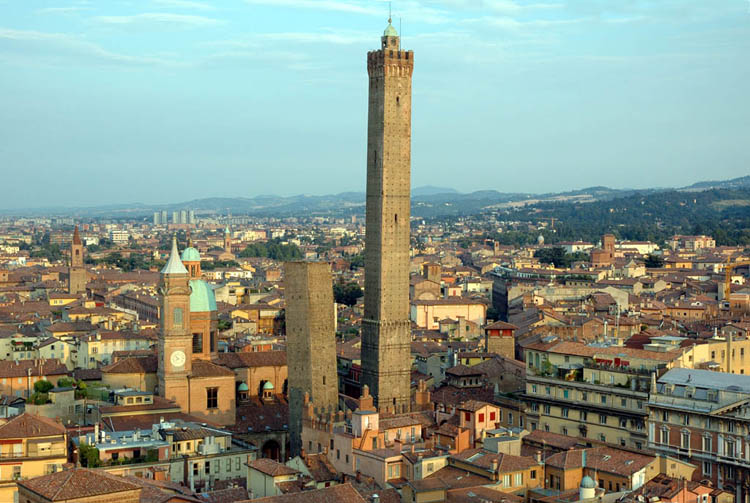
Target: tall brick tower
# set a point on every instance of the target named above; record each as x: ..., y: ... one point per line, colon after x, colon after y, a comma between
x: 175, y: 340
x: 386, y: 337
x: 76, y: 271
x: 311, y: 343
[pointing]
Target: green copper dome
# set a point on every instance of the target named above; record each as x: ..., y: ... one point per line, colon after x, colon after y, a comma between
x: 202, y: 298
x: 190, y: 254
x: 243, y: 387
x: 268, y: 386
x: 390, y: 31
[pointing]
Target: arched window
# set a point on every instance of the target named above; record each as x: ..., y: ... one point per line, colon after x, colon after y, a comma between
x: 177, y: 316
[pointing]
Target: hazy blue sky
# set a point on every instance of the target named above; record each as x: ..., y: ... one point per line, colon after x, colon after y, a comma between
x: 167, y: 100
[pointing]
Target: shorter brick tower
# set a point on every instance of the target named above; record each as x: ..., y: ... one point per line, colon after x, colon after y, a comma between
x: 175, y: 354
x: 76, y: 271
x: 311, y: 343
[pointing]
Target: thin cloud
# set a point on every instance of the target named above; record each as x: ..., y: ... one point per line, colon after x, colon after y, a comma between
x: 327, y: 5
x: 185, y: 4
x: 60, y: 10
x: 56, y: 49
x: 158, y: 18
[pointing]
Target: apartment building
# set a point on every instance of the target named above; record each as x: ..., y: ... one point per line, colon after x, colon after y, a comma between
x: 598, y: 393
x: 703, y: 417
x: 30, y: 446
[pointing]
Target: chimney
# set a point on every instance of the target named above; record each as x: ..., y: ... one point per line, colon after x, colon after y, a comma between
x: 375, y: 498
x: 494, y: 465
x: 538, y: 456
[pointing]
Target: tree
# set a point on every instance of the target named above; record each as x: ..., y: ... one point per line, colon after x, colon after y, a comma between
x: 88, y: 455
x: 654, y: 261
x: 43, y: 386
x: 347, y: 293
x: 66, y: 382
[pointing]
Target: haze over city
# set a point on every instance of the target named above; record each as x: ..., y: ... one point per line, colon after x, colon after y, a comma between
x: 527, y: 96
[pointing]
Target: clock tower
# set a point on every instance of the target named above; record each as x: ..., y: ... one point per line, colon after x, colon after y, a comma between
x: 175, y: 350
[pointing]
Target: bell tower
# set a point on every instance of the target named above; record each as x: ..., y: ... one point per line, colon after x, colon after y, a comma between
x: 76, y: 271
x: 386, y: 330
x: 175, y: 350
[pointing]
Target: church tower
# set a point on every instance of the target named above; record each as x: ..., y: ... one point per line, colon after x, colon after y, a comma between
x: 175, y: 350
x: 386, y: 330
x: 227, y: 240
x: 76, y: 271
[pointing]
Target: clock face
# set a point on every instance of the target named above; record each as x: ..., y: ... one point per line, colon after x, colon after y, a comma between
x: 177, y: 358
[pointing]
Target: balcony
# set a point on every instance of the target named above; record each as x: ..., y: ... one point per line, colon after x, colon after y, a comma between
x: 36, y: 453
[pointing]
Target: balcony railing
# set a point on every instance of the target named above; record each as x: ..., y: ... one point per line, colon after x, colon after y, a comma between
x: 35, y: 453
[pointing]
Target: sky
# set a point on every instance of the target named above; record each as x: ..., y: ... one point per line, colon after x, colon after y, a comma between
x: 163, y: 101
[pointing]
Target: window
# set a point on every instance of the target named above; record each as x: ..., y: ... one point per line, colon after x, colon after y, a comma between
x: 430, y: 467
x: 686, y: 419
x: 506, y: 480
x: 685, y: 440
x: 665, y: 416
x: 213, y: 347
x: 519, y: 479
x: 208, y: 467
x: 546, y: 409
x: 467, y: 416
x: 665, y: 436
x: 533, y: 426
x: 602, y: 419
x: 565, y: 412
x: 584, y: 396
x: 565, y: 393
x: 584, y: 415
x: 604, y: 399
x: 197, y: 343
x: 237, y: 462
x: 706, y: 468
x: 510, y: 419
x: 492, y: 415
x: 177, y: 316
x: 602, y: 437
x: 548, y: 390
x: 707, y: 441
x: 564, y: 431
x: 212, y: 398
x: 623, y: 422
x: 533, y: 388
x: 623, y: 402
x: 338, y: 454
x: 229, y: 465
x: 730, y: 427
x: 546, y: 427
x: 534, y: 408
x: 532, y: 475
x: 481, y: 417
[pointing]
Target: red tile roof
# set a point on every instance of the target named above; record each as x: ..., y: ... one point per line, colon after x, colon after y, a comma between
x: 77, y: 483
x: 27, y: 426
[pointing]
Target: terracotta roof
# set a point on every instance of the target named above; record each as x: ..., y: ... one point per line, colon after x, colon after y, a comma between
x: 481, y: 495
x: 133, y: 365
x: 27, y: 425
x: 203, y: 368
x: 505, y: 462
x: 77, y: 483
x: 270, y: 467
x: 462, y: 370
x: 342, y: 493
x: 259, y: 359
x: 500, y: 325
x: 19, y: 368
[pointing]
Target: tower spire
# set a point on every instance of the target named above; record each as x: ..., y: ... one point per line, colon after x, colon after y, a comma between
x: 174, y: 264
x: 389, y: 13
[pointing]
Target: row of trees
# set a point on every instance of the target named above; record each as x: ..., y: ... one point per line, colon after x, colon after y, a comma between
x: 273, y: 249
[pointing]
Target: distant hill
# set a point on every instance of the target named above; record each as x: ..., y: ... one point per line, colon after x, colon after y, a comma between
x: 427, y: 201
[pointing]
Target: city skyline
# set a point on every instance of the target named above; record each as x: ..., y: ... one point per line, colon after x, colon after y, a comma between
x: 232, y: 94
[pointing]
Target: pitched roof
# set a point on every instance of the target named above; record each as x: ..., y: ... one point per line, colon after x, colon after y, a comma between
x: 249, y: 360
x: 77, y: 483
x: 20, y: 368
x: 174, y: 264
x: 271, y: 468
x: 342, y: 493
x: 28, y: 425
x: 203, y: 368
x: 133, y: 365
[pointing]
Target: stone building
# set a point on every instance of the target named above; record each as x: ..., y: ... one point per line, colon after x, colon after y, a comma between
x: 385, y: 326
x: 311, y: 342
x: 76, y: 272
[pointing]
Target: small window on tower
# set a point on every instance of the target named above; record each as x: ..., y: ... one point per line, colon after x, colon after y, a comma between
x: 395, y: 217
x: 397, y: 100
x: 177, y: 315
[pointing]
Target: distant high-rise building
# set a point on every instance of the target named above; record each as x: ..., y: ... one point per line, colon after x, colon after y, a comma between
x: 157, y: 218
x: 191, y: 217
x: 76, y: 272
x: 175, y: 217
x: 183, y: 216
x: 311, y: 342
x: 386, y: 330
x: 164, y: 217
